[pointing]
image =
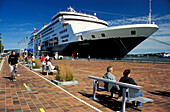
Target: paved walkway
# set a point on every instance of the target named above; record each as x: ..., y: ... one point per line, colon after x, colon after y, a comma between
x: 44, y: 96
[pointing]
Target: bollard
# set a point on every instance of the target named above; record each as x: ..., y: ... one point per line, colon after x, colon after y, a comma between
x: 47, y: 72
x: 42, y: 69
x: 47, y: 67
x: 31, y: 65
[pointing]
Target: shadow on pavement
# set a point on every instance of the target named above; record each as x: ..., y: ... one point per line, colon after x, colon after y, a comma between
x: 45, y: 73
x: 8, y: 78
x: 161, y: 93
x: 109, y: 102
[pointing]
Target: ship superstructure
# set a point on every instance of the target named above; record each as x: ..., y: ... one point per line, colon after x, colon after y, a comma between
x: 73, y: 32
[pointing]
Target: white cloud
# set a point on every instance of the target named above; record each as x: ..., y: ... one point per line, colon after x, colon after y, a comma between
x: 19, y: 32
x: 142, y: 19
x: 20, y: 25
x: 157, y: 18
x: 150, y: 45
x: 164, y: 29
x: 128, y: 21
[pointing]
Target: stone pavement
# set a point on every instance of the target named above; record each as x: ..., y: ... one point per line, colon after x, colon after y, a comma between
x: 44, y: 96
x: 154, y: 78
x: 15, y: 97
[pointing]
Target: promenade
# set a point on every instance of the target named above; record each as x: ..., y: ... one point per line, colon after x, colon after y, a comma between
x: 45, y: 96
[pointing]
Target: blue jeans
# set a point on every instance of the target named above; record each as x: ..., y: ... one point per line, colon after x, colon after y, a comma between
x: 136, y: 95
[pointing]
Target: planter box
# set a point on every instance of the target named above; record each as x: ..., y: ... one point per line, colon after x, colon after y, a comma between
x: 26, y: 64
x: 36, y: 69
x: 64, y: 83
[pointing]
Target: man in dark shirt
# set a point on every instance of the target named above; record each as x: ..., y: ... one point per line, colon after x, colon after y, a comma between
x: 13, y: 61
x: 126, y: 79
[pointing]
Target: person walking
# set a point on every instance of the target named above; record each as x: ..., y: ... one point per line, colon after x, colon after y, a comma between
x: 89, y: 58
x: 42, y: 59
x: 72, y: 56
x: 13, y: 63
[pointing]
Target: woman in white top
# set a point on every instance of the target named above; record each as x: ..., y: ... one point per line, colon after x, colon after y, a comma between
x: 50, y: 64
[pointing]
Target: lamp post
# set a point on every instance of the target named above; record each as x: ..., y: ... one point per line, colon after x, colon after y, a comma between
x: 26, y: 45
x: 1, y: 46
x: 39, y: 46
x: 33, y: 43
x: 19, y: 49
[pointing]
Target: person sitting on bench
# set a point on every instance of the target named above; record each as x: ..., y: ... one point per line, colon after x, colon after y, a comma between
x: 126, y: 79
x: 108, y: 86
x: 51, y: 66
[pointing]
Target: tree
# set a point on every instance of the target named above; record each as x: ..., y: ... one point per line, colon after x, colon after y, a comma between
x: 1, y: 45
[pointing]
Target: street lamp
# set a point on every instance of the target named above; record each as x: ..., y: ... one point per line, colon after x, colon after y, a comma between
x: 33, y: 43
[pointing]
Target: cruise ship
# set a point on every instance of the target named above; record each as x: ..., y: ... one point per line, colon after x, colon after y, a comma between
x: 71, y: 32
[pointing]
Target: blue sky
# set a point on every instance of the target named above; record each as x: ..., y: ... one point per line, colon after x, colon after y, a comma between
x: 20, y: 16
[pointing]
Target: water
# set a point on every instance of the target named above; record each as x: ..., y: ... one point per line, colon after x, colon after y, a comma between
x: 148, y: 59
x: 129, y: 59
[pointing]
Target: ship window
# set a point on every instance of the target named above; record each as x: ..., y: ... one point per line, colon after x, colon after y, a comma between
x: 65, y: 30
x: 65, y: 36
x: 54, y: 34
x: 103, y: 35
x: 133, y: 32
x: 93, y: 36
x: 65, y: 40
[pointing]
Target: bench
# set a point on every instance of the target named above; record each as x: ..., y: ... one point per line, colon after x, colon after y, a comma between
x: 48, y: 68
x: 131, y: 93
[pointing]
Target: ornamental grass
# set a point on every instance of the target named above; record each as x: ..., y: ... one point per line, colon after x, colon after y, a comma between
x: 64, y: 73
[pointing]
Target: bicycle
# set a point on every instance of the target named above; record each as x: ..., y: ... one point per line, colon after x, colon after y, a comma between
x: 13, y: 73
